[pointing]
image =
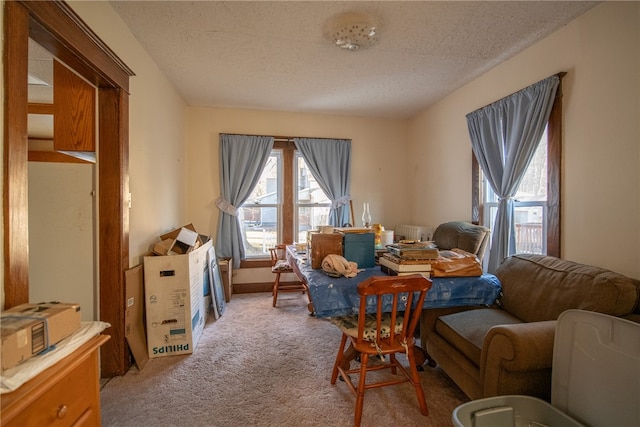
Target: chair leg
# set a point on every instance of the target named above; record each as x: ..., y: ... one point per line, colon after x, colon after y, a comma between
x: 339, y: 357
x: 415, y: 379
x: 361, y: 389
x: 276, y: 283
x: 394, y: 363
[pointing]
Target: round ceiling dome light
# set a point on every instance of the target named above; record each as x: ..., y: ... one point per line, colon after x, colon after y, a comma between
x: 353, y: 31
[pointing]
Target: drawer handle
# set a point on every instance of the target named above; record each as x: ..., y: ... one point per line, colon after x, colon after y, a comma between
x: 62, y: 411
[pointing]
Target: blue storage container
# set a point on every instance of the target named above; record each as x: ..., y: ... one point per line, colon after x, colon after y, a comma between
x: 360, y: 248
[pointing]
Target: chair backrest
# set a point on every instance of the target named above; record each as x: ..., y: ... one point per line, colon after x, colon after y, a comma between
x: 462, y: 235
x: 278, y: 252
x: 394, y: 296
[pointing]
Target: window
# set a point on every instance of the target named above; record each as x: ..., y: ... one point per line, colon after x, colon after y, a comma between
x: 259, y: 215
x: 311, y: 205
x: 530, y: 206
x: 275, y: 212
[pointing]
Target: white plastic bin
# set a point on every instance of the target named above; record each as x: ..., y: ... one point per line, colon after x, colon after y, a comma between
x: 595, y: 380
x: 510, y: 411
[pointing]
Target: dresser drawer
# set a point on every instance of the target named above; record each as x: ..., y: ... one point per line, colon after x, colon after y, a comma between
x: 68, y: 396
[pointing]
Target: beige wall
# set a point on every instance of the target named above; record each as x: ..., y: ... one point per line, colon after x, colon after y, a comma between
x: 61, y: 235
x: 377, y: 173
x: 601, y: 136
x: 156, y: 138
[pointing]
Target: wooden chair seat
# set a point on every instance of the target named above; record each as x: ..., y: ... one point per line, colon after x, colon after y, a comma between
x: 372, y: 334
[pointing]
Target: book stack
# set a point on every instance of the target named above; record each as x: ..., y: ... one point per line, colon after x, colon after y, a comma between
x: 404, y: 259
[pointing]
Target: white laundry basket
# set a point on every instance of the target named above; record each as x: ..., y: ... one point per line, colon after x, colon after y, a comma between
x: 595, y: 380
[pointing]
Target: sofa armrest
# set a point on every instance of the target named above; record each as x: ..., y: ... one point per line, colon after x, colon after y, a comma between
x: 517, y: 348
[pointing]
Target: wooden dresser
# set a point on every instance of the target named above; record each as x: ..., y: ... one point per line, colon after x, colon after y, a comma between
x: 66, y: 394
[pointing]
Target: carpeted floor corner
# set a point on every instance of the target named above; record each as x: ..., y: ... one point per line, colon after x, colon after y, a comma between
x: 264, y: 366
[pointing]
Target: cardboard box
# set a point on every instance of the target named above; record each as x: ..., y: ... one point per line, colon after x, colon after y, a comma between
x: 134, y: 315
x: 321, y: 245
x: 226, y: 271
x: 163, y: 247
x: 186, y: 241
x: 180, y: 241
x: 29, y: 329
x: 173, y: 234
x: 174, y: 301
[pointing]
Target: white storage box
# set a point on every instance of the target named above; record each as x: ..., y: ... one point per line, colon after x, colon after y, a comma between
x: 175, y: 306
x: 595, y: 380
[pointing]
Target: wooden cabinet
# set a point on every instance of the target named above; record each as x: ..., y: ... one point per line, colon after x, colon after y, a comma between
x: 66, y: 394
x: 74, y: 111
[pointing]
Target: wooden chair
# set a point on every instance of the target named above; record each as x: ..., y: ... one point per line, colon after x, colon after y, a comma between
x: 280, y: 265
x: 370, y: 334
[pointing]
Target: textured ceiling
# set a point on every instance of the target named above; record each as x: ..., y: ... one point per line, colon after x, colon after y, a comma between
x: 277, y: 56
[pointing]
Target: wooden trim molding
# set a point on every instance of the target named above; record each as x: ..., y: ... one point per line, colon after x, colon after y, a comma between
x: 113, y: 190
x: 55, y: 26
x: 554, y: 171
x: 39, y: 108
x: 15, y: 196
x: 54, y: 157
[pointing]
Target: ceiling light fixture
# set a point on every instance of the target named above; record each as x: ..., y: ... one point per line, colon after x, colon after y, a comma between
x: 354, y: 31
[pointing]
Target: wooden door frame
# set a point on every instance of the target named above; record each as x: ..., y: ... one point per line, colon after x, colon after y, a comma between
x: 55, y: 26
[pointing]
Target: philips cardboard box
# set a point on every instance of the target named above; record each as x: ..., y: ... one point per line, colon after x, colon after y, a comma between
x: 174, y: 301
x: 29, y: 329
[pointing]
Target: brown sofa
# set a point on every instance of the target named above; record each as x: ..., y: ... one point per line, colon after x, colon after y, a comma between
x: 508, y: 348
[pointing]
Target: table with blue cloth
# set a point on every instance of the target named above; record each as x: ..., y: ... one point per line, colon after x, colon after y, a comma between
x: 333, y: 296
x: 338, y: 296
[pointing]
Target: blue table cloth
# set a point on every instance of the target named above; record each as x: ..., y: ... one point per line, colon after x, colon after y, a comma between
x: 339, y: 296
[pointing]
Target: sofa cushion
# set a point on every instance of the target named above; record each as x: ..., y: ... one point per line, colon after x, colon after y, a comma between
x: 538, y: 287
x: 466, y: 330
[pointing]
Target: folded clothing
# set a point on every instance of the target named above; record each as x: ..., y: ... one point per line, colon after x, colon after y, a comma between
x: 336, y: 265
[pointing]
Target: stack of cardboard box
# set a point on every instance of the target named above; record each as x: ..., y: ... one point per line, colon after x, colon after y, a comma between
x: 31, y: 329
x: 175, y: 283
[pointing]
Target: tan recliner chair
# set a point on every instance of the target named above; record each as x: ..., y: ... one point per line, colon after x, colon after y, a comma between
x: 462, y: 235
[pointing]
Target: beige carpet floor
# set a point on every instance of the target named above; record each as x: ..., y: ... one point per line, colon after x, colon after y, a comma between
x: 264, y: 366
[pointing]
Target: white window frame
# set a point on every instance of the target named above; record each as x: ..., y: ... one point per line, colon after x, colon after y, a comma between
x: 278, y: 206
x: 296, y: 202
